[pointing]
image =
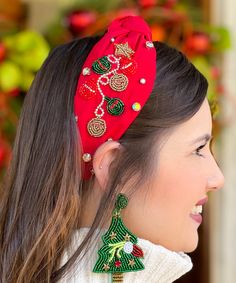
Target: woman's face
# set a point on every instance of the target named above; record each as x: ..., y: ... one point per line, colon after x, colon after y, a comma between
x: 185, y: 172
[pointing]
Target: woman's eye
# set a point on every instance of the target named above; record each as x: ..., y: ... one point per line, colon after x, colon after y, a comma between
x: 199, y: 149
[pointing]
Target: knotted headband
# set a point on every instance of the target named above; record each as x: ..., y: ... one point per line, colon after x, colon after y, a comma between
x: 116, y: 81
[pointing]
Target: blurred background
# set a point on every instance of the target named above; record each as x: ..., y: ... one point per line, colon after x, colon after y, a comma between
x: 203, y: 29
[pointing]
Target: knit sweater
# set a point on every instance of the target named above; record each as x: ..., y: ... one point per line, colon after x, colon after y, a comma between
x: 161, y: 264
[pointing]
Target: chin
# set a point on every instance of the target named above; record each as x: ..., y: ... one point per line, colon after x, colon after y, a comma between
x: 190, y: 250
x: 190, y: 246
x: 186, y: 247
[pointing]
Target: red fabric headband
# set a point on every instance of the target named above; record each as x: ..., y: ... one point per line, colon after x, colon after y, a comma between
x: 116, y: 81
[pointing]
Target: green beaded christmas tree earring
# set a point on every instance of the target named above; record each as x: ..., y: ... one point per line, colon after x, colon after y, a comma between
x: 119, y: 253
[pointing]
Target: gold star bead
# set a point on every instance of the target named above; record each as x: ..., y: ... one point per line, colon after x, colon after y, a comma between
x: 116, y: 214
x: 127, y: 237
x: 124, y: 49
x: 113, y: 235
x: 106, y: 266
x: 131, y: 262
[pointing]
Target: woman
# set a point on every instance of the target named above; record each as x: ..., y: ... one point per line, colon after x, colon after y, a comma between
x: 114, y: 141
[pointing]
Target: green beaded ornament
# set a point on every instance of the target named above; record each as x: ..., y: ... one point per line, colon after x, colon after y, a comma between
x: 120, y: 252
x: 101, y: 65
x: 115, y: 106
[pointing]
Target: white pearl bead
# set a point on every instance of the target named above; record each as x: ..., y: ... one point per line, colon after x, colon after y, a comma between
x: 87, y: 157
x: 142, y: 81
x: 112, y: 39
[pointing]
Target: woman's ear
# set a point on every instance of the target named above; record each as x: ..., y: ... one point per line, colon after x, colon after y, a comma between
x: 102, y: 160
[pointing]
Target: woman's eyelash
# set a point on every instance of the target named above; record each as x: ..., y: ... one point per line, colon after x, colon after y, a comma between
x: 199, y: 148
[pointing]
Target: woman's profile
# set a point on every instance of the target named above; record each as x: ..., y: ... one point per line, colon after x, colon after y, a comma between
x: 111, y: 164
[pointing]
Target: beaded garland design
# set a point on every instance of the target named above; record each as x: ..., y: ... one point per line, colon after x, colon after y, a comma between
x: 113, y: 71
x: 120, y: 252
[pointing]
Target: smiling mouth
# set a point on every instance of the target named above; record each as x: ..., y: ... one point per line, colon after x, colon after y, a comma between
x: 196, y: 217
x: 197, y: 210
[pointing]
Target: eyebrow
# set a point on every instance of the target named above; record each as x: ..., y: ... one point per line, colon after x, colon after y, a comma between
x: 205, y: 137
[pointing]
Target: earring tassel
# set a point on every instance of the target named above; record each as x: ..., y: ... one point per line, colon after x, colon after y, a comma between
x: 117, y: 277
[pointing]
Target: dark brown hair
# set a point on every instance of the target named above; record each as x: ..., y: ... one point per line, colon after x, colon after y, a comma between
x: 41, y: 195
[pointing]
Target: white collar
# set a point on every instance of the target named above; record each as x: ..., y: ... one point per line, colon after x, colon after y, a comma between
x: 161, y: 264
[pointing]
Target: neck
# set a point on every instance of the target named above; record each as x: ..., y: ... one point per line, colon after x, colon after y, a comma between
x: 89, y: 205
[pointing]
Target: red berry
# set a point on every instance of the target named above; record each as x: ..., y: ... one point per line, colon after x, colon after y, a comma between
x: 118, y: 263
x: 169, y: 4
x: 2, y: 51
x: 147, y: 3
x: 2, y: 155
x: 215, y: 72
x: 220, y: 89
x: 158, y: 33
x: 198, y: 43
x: 14, y: 92
x: 77, y: 21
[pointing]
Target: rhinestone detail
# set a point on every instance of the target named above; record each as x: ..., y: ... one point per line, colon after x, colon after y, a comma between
x: 149, y: 44
x: 136, y: 106
x: 86, y: 71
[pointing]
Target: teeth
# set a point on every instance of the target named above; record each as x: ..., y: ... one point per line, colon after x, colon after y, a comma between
x: 196, y: 209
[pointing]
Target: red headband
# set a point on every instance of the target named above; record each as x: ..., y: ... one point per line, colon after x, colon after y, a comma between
x: 116, y: 81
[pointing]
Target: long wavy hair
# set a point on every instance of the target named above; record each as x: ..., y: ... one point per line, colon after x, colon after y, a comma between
x: 42, y: 192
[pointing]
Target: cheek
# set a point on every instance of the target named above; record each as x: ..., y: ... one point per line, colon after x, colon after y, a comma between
x: 177, y: 186
x: 161, y: 209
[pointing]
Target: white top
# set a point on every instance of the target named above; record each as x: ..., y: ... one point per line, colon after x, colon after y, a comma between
x: 161, y: 265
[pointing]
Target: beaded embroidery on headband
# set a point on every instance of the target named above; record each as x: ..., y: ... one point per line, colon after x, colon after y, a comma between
x: 116, y: 81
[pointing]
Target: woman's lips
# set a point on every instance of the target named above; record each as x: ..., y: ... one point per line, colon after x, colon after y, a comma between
x: 202, y: 201
x: 196, y: 217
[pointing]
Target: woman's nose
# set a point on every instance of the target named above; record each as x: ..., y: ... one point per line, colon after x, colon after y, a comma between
x: 216, y: 179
